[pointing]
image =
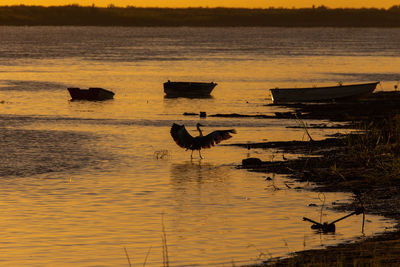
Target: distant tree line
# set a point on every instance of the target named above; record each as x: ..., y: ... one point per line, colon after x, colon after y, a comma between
x: 198, y: 17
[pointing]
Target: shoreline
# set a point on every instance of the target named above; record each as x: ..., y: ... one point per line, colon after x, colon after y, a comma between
x: 337, y: 164
x: 75, y: 15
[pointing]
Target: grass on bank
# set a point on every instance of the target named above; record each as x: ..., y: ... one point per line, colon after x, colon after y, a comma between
x: 377, y: 148
x: 372, y: 155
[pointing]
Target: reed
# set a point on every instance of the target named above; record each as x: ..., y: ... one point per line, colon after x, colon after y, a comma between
x: 321, y: 197
x: 305, y: 127
x: 147, y: 255
x: 164, y: 243
x: 127, y: 256
x: 377, y: 147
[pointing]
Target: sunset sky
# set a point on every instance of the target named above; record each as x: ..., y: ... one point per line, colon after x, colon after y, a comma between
x: 213, y: 3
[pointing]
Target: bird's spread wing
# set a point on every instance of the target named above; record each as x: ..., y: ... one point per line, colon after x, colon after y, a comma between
x: 181, y: 136
x: 215, y: 137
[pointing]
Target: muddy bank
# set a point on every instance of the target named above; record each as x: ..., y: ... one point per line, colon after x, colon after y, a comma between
x: 331, y: 165
x: 375, y: 106
x: 367, y: 165
x: 377, y: 251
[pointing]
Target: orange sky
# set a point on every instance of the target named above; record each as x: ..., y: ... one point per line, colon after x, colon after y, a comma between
x: 213, y: 3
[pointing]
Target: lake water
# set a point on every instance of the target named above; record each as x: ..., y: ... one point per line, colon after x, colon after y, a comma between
x: 81, y: 181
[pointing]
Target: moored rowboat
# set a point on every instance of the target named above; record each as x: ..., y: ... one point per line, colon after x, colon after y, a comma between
x: 90, y: 94
x: 188, y: 89
x: 315, y: 94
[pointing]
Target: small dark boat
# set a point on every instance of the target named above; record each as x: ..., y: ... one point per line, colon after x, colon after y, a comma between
x: 92, y: 94
x: 188, y: 89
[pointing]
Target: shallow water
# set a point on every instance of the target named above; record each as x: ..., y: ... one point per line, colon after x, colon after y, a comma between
x: 81, y: 181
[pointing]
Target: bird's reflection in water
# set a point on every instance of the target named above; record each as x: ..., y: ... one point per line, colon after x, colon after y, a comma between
x: 197, y: 171
x: 202, y: 203
x: 196, y: 184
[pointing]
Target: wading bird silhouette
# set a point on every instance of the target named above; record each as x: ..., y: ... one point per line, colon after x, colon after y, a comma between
x: 183, y: 139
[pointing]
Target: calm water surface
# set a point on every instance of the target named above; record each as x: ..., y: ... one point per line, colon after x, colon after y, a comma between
x: 81, y: 181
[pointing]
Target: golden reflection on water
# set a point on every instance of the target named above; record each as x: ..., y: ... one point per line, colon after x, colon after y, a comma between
x: 116, y: 195
x: 213, y: 213
x: 102, y: 189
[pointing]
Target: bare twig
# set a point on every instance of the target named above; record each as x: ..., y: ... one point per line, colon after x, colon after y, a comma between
x: 322, y: 206
x: 127, y: 256
x: 147, y: 255
x: 304, y: 125
x: 164, y: 243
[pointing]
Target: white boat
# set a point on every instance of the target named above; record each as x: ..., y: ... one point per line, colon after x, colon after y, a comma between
x: 315, y: 94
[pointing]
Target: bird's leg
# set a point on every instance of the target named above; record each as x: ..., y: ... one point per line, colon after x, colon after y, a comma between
x: 200, y: 154
x: 191, y: 155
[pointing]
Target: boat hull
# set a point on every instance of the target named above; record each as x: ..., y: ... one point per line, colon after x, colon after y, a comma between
x: 315, y: 94
x: 93, y: 94
x: 188, y: 89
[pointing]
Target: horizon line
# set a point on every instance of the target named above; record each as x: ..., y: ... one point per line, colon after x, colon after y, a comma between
x: 200, y: 7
